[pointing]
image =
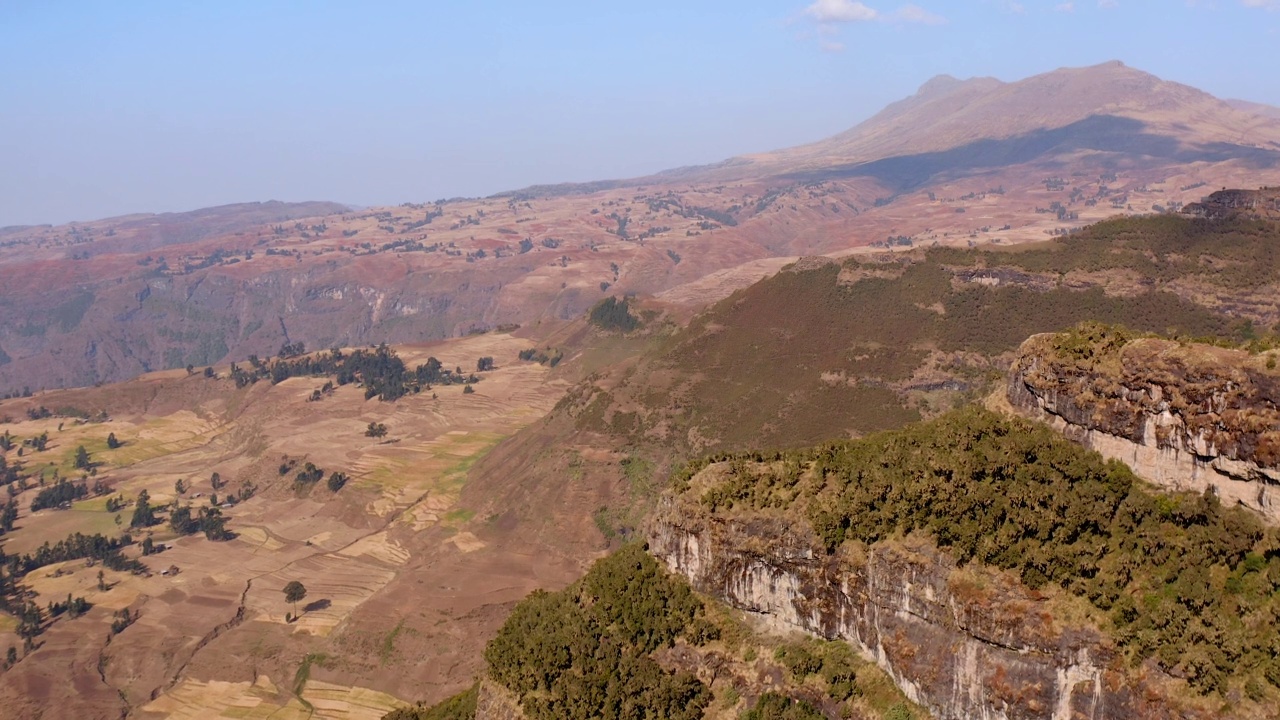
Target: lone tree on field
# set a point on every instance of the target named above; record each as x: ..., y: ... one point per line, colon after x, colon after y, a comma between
x: 82, y: 458
x: 376, y: 430
x: 112, y: 442
x: 293, y: 592
x: 143, y: 514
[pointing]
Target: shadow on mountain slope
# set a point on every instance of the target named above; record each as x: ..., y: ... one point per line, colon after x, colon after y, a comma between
x: 1101, y: 133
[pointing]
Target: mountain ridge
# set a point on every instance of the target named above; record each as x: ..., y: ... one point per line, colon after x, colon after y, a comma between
x: 1263, y: 109
x: 959, y: 112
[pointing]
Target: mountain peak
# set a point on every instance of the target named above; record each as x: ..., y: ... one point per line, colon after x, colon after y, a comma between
x: 943, y: 85
x: 938, y: 84
x: 948, y: 113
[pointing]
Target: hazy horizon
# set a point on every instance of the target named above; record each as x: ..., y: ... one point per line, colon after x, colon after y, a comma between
x: 157, y: 108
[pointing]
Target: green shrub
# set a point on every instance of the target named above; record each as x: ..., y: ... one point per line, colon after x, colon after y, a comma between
x: 772, y: 706
x: 613, y: 315
x: 899, y: 711
x: 797, y: 659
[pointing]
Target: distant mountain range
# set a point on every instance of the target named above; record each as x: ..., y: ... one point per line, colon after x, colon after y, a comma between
x: 960, y: 162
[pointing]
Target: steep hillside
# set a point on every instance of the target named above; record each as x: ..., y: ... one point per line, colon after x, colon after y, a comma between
x: 826, y: 349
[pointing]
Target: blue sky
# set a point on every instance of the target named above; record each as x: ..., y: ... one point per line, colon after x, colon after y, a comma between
x: 109, y: 108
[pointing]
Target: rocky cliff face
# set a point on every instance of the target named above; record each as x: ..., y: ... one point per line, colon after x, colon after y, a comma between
x: 965, y: 644
x: 1264, y: 202
x: 1183, y: 416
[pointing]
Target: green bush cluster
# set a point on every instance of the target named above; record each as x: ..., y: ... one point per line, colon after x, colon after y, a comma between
x: 63, y: 491
x: 772, y: 706
x: 378, y: 370
x: 1181, y: 579
x: 548, y: 356
x: 208, y: 520
x: 1089, y: 344
x: 459, y: 707
x: 834, y: 662
x: 612, y: 314
x: 584, y: 652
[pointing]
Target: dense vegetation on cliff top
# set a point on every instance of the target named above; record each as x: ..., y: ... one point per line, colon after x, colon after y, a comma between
x: 584, y: 652
x: 1180, y: 578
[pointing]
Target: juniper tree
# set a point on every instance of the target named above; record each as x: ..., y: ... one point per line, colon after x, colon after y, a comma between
x: 293, y: 592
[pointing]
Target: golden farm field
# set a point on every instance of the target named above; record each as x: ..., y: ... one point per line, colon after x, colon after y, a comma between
x: 209, y: 612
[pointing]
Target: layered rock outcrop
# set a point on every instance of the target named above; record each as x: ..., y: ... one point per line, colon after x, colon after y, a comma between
x: 1184, y: 416
x: 1264, y: 202
x: 965, y: 644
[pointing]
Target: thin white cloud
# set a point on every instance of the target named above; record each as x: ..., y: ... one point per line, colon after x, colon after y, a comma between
x: 840, y: 11
x: 1066, y: 7
x: 829, y: 13
x: 1108, y: 4
x: 917, y: 14
x: 1267, y: 4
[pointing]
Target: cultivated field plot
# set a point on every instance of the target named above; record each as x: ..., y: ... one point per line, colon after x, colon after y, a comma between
x: 193, y: 700
x: 344, y: 545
